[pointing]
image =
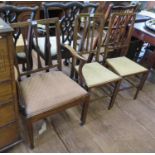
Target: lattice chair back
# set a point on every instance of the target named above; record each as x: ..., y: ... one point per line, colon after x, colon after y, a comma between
x: 13, y: 14
x: 70, y: 11
x: 87, y: 27
x: 119, y: 32
x: 39, y: 63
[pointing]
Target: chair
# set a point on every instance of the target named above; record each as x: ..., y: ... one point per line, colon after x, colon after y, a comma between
x: 46, y: 93
x: 116, y: 46
x: 91, y: 75
x: 70, y: 10
x: 13, y: 14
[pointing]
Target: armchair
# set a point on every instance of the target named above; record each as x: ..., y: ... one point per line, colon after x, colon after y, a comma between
x: 46, y: 93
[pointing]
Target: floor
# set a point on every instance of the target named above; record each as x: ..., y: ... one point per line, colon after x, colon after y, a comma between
x: 128, y: 127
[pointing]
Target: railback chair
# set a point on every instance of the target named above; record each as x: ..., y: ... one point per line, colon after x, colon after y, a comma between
x: 117, y: 42
x: 13, y: 14
x: 91, y: 75
x: 112, y: 9
x: 46, y: 93
x: 70, y: 11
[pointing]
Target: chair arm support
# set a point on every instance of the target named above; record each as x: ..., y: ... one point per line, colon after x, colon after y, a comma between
x: 74, y: 53
x: 76, y: 56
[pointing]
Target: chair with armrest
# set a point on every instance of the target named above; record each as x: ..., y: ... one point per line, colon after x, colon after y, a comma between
x: 116, y: 46
x: 91, y: 75
x: 13, y: 14
x: 46, y: 93
x: 69, y: 11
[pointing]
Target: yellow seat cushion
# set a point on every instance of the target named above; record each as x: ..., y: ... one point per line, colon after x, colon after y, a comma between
x: 47, y: 91
x: 96, y: 74
x: 124, y: 66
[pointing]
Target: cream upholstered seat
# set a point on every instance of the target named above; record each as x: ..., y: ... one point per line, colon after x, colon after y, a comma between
x: 41, y: 44
x: 124, y: 66
x: 48, y: 91
x: 96, y: 74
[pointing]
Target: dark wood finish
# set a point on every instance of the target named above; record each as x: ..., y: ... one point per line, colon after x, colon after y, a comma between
x: 46, y: 65
x: 92, y: 26
x: 70, y: 11
x: 144, y: 34
x: 13, y: 14
x: 9, y: 128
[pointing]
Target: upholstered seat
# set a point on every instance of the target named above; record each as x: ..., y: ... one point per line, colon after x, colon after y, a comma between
x: 124, y: 66
x: 48, y: 91
x: 96, y: 74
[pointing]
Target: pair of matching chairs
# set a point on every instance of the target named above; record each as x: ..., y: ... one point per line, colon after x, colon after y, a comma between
x: 114, y: 44
x: 41, y: 93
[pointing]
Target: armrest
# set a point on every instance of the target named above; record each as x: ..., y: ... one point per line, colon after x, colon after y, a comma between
x: 76, y: 56
x: 74, y: 53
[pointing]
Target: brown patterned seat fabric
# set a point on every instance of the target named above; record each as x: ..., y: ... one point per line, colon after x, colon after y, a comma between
x: 48, y: 91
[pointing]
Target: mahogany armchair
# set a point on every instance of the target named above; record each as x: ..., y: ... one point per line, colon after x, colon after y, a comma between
x: 70, y: 11
x: 91, y: 75
x: 46, y: 93
x: 13, y: 14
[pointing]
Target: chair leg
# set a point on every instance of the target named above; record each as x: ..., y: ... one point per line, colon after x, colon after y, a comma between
x: 141, y: 84
x: 84, y: 111
x: 115, y: 92
x: 30, y: 133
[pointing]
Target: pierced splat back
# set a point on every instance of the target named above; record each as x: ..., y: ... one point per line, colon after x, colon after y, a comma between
x: 13, y: 14
x: 71, y: 10
x: 39, y: 63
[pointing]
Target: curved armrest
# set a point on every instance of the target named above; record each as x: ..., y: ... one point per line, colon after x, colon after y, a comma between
x: 74, y: 53
x: 76, y: 56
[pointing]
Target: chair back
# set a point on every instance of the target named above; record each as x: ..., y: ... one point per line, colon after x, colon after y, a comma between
x: 87, y: 27
x: 119, y: 31
x: 70, y: 11
x: 39, y: 63
x: 12, y: 14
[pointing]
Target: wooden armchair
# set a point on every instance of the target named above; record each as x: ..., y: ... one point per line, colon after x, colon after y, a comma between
x: 91, y: 75
x: 70, y: 11
x: 46, y: 93
x: 116, y: 46
x: 13, y: 14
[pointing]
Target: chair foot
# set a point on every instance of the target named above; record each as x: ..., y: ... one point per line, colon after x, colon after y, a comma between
x: 141, y: 84
x: 30, y: 133
x: 84, y: 111
x: 115, y: 92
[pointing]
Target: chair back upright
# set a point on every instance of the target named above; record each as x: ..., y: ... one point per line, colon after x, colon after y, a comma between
x: 70, y: 11
x: 39, y: 63
x: 120, y: 27
x: 14, y: 14
x: 87, y: 27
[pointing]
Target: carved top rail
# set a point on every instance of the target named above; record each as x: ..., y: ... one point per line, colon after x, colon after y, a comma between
x: 71, y: 10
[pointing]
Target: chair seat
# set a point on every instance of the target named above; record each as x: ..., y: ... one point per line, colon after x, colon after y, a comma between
x: 47, y: 91
x: 96, y: 74
x: 125, y: 67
